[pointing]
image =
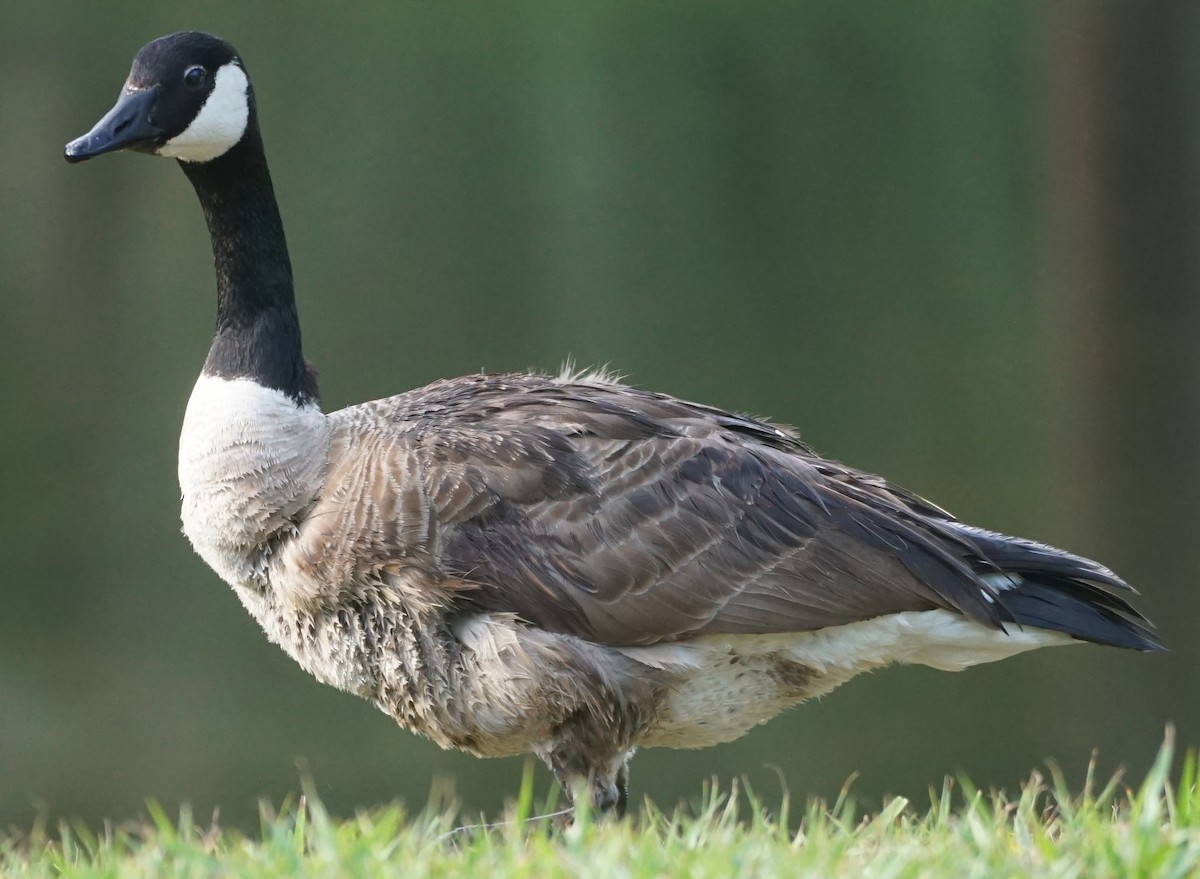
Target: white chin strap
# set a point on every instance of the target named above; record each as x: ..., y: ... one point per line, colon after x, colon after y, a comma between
x: 220, y: 123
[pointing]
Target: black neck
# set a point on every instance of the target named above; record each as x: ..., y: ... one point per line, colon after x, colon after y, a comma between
x: 258, y: 330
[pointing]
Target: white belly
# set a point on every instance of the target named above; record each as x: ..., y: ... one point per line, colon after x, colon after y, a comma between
x: 730, y: 683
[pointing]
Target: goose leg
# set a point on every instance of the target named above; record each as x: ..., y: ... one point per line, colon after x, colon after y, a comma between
x: 623, y: 788
x: 603, y: 781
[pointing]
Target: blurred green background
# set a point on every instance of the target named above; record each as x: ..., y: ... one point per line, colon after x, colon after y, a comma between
x: 954, y: 243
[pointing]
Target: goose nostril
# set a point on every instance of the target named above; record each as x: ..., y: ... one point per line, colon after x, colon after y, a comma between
x: 122, y: 125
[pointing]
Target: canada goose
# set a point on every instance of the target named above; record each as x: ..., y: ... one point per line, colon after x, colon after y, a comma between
x: 559, y: 565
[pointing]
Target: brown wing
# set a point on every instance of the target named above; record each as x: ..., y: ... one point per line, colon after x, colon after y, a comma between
x: 632, y: 518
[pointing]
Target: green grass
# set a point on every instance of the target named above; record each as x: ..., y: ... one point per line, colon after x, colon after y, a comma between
x: 1046, y: 831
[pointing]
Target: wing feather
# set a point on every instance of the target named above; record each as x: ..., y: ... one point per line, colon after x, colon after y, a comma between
x: 629, y: 518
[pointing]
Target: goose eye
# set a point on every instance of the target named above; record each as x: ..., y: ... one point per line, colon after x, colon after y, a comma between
x: 194, y: 76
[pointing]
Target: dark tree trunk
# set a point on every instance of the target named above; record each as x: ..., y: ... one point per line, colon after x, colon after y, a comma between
x: 1121, y: 288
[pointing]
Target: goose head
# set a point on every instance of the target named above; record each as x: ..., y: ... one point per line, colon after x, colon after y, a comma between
x: 187, y: 97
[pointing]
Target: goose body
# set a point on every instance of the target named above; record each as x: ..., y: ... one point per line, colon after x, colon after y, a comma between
x: 559, y: 565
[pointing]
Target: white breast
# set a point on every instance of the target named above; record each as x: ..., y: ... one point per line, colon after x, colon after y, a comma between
x: 250, y: 459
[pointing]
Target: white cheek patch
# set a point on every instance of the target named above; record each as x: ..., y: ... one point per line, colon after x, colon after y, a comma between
x: 220, y: 123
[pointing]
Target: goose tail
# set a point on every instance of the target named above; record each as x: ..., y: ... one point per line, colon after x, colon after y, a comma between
x: 1038, y: 586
